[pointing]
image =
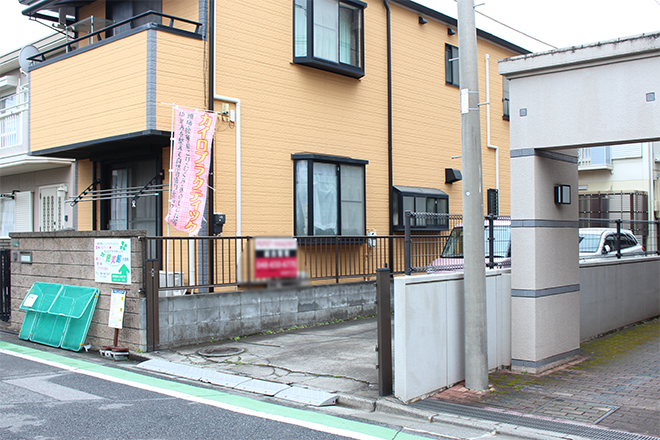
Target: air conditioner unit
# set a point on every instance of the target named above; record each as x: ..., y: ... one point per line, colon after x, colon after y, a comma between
x: 171, y: 279
x: 8, y: 83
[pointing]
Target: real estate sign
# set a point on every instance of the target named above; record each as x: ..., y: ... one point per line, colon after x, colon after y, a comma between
x: 275, y: 258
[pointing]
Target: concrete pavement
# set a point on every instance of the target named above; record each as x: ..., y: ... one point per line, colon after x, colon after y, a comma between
x: 615, y: 385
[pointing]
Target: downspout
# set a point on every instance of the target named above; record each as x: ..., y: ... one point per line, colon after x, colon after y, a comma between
x: 488, y: 144
x: 389, y: 134
x: 210, y: 217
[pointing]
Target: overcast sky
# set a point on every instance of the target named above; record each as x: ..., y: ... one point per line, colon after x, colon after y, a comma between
x: 560, y: 23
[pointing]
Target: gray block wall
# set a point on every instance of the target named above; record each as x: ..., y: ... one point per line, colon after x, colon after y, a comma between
x: 67, y: 257
x: 200, y: 318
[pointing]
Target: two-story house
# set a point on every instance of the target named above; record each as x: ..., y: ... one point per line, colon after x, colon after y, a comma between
x: 620, y: 182
x: 32, y: 188
x: 335, y: 115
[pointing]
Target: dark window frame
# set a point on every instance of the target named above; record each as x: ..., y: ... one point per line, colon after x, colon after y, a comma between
x: 319, y: 63
x: 398, y: 208
x: 451, y: 70
x: 335, y: 160
x: 506, y: 103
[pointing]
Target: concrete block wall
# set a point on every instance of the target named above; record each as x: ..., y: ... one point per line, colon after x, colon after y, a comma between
x: 200, y: 318
x: 67, y: 257
x: 616, y: 293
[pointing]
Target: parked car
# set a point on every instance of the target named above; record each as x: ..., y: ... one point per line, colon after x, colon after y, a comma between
x: 601, y: 243
x: 452, y: 256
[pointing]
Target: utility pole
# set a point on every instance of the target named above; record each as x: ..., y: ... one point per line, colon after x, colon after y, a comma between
x: 476, y: 349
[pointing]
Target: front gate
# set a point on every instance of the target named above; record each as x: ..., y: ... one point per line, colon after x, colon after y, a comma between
x: 5, y: 284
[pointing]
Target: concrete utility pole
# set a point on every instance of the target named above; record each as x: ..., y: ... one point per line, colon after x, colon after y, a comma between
x: 476, y: 349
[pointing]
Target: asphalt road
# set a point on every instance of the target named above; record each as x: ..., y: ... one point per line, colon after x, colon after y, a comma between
x: 48, y: 396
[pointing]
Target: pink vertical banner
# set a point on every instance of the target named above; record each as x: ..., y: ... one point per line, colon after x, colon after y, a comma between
x: 191, y: 156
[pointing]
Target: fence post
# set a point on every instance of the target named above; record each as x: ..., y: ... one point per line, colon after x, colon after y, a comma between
x: 618, y: 238
x: 406, y: 243
x: 153, y: 284
x: 384, y: 321
x: 491, y: 240
x: 336, y: 243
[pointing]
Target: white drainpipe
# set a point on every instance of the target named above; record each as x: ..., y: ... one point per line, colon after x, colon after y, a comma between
x: 492, y: 147
x: 238, y: 155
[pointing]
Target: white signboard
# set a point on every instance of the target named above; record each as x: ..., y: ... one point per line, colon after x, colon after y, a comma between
x: 117, y: 301
x: 112, y: 260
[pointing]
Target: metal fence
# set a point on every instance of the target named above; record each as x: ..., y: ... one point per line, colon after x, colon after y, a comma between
x: 646, y: 232
x: 5, y: 284
x: 202, y: 264
x: 441, y: 249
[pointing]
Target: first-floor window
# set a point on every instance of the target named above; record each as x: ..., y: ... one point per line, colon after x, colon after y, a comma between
x: 329, y: 195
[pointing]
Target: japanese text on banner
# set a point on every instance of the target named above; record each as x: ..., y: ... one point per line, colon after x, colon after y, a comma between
x: 191, y: 156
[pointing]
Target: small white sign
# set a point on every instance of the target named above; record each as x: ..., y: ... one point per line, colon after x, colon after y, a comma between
x: 117, y: 301
x: 112, y: 260
x: 465, y: 101
x: 30, y: 299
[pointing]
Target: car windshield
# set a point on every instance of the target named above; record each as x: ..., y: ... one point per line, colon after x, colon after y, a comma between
x: 502, y: 235
x: 589, y: 243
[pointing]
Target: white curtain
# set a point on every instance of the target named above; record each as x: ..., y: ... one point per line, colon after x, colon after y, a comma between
x: 302, y: 204
x: 325, y: 199
x: 352, y: 200
x: 326, y: 28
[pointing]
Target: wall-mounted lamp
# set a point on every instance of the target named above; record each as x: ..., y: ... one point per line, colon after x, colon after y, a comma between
x: 422, y: 20
x: 450, y: 31
x: 563, y: 194
x: 452, y: 175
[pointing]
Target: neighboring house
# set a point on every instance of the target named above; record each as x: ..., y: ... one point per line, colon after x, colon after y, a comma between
x: 305, y: 144
x: 32, y: 188
x: 620, y: 181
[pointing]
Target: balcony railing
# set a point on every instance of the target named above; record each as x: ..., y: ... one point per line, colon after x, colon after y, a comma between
x: 97, y: 35
x: 594, y: 158
x: 12, y: 108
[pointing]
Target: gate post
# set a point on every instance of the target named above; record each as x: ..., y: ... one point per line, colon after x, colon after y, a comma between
x: 384, y: 320
x: 152, y: 279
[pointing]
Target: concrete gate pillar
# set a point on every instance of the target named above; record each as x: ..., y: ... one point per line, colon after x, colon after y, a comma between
x: 545, y: 278
x: 605, y: 93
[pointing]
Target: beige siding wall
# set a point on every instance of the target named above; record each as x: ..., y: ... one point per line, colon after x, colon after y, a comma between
x: 182, y: 9
x: 84, y: 209
x: 93, y: 95
x: 180, y: 78
x: 288, y: 108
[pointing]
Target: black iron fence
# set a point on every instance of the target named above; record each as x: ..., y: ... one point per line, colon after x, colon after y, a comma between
x: 201, y: 264
x: 441, y: 250
x: 432, y: 243
x: 5, y: 284
x: 615, y: 233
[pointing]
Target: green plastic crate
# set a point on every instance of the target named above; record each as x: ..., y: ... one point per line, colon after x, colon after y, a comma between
x: 58, y: 315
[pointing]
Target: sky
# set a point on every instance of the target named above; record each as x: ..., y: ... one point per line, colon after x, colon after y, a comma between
x: 558, y: 23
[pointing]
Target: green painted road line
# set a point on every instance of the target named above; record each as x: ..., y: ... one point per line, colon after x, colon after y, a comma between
x: 240, y: 404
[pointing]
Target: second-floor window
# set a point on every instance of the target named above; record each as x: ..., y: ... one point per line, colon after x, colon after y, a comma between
x: 329, y: 35
x: 451, y: 65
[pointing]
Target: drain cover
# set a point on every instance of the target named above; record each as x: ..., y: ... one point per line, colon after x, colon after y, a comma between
x: 586, y: 412
x: 220, y: 351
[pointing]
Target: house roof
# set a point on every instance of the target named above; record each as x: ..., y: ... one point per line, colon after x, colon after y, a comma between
x: 451, y: 21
